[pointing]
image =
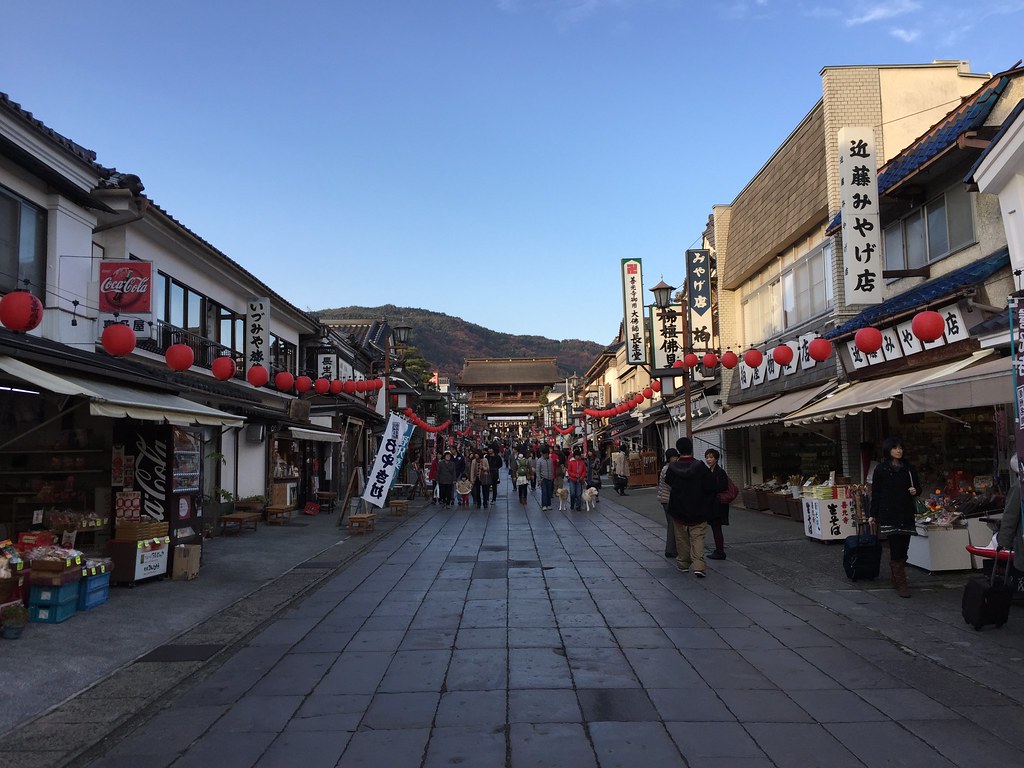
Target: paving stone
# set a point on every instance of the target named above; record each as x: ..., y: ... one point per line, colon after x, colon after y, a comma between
x: 318, y: 749
x: 476, y: 708
x: 475, y: 746
x: 759, y: 706
x: 428, y: 639
x: 254, y: 713
x: 376, y: 640
x: 600, y: 668
x: 788, y: 670
x: 543, y: 706
x: 287, y: 631
x: 339, y: 712
x: 171, y: 730
x: 533, y: 637
x: 727, y: 669
x: 1006, y: 721
x: 550, y: 745
x: 695, y: 637
x: 713, y: 740
x: 888, y: 744
x: 389, y: 711
x: 373, y: 749
x: 798, y: 745
x: 641, y: 637
x: 416, y: 671
x: 538, y: 668
x: 492, y: 637
x: 355, y: 672
x: 588, y: 637
x: 295, y: 675
x: 387, y: 622
x: 616, y: 705
x: 485, y: 613
x: 699, y: 704
x: 836, y: 706
x: 662, y: 667
x: 226, y: 749
x: 906, y: 703
x: 324, y: 641
x: 749, y: 638
x: 627, y: 745
x: 846, y: 667
x: 478, y: 669
x: 965, y: 743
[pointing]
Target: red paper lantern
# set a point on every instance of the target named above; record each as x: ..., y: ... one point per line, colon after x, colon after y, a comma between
x: 20, y: 311
x: 928, y: 325
x: 730, y: 360
x: 302, y: 384
x: 284, y: 381
x: 753, y: 358
x: 819, y: 349
x: 690, y: 361
x: 710, y: 359
x: 321, y: 386
x: 337, y: 386
x: 783, y: 354
x: 361, y: 385
x: 868, y: 340
x: 257, y: 376
x: 118, y: 339
x: 179, y: 357
x: 648, y: 393
x: 224, y: 368
x: 638, y: 401
x: 678, y: 364
x: 350, y: 387
x: 656, y: 385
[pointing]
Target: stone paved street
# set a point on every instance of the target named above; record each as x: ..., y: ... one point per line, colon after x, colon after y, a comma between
x: 517, y: 637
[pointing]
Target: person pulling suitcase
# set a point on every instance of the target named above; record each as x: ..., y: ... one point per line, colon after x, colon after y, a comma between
x: 893, y: 488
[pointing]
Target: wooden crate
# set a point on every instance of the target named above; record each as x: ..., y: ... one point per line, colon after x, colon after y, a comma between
x: 362, y: 522
x: 778, y: 503
x: 754, y: 499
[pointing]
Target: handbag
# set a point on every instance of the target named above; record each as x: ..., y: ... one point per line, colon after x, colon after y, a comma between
x: 730, y: 492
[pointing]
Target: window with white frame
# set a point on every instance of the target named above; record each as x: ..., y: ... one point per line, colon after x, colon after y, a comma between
x: 928, y: 233
x: 761, y: 312
x: 22, y: 244
x: 807, y: 287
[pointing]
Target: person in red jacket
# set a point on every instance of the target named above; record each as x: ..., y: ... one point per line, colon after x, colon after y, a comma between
x: 576, y: 472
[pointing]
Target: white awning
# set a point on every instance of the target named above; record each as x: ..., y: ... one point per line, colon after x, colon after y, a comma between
x: 314, y: 434
x: 777, y: 409
x: 117, y: 401
x: 723, y: 419
x: 864, y: 396
x: 988, y: 383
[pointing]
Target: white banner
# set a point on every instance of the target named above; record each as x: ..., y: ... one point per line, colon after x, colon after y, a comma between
x: 393, y: 446
x: 327, y: 366
x: 257, y: 332
x: 633, y: 312
x: 667, y: 331
x: 858, y: 202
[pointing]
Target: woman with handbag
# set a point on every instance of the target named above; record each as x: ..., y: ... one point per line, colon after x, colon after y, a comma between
x: 893, y: 488
x: 522, y: 469
x: 719, y: 515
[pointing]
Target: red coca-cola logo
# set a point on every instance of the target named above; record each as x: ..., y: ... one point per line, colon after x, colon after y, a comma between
x: 125, y: 287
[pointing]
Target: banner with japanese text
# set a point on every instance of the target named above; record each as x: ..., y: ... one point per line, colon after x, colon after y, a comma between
x: 633, y: 312
x: 257, y: 332
x: 858, y: 203
x: 667, y: 335
x: 393, y: 445
x: 1017, y: 331
x: 698, y: 292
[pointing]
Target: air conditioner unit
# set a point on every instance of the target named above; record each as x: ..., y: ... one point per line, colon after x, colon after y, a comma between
x: 254, y: 433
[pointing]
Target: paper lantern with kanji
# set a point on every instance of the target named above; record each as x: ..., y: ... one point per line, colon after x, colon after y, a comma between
x: 819, y: 349
x: 729, y: 359
x: 868, y: 340
x: 337, y: 386
x: 783, y: 354
x: 179, y: 357
x: 710, y: 360
x: 753, y: 357
x: 321, y: 386
x: 21, y: 311
x: 284, y: 381
x: 118, y: 339
x: 302, y: 384
x: 928, y: 326
x: 224, y: 368
x: 257, y: 375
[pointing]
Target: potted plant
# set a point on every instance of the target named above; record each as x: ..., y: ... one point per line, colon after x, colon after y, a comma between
x: 216, y: 503
x: 13, y: 619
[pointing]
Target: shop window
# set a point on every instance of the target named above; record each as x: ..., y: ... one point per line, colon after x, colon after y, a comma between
x: 22, y: 244
x: 944, y: 225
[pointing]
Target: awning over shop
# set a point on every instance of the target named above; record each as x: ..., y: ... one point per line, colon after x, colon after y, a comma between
x: 725, y: 418
x: 323, y: 436
x: 116, y: 401
x: 864, y: 396
x: 777, y: 409
x: 987, y: 383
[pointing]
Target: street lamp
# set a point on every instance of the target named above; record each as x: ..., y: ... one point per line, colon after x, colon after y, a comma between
x: 662, y: 300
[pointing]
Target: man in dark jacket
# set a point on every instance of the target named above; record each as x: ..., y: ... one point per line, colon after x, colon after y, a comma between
x: 495, y: 461
x: 692, y: 494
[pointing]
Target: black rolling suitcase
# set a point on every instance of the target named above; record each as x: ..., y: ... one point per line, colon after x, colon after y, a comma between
x: 862, y: 555
x: 987, y: 601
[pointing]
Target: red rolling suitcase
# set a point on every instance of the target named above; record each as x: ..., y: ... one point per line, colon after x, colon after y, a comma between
x: 987, y: 601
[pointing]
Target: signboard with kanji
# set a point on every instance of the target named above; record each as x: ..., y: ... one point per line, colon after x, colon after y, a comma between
x: 633, y: 312
x: 257, y: 332
x: 858, y: 203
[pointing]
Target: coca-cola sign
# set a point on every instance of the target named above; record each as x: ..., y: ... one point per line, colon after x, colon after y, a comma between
x: 126, y: 286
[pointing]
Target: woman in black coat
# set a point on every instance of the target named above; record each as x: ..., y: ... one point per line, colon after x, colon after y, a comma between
x: 894, y: 485
x: 719, y: 514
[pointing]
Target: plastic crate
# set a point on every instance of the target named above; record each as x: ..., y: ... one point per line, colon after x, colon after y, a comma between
x: 51, y: 614
x: 93, y: 591
x: 48, y: 595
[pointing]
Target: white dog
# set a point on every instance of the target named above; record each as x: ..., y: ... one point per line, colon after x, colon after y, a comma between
x: 590, y: 498
x: 563, y: 496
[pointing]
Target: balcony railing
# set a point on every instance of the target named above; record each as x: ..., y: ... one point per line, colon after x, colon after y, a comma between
x: 204, y: 349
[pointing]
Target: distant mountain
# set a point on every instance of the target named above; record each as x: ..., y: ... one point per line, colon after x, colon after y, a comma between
x: 447, y: 341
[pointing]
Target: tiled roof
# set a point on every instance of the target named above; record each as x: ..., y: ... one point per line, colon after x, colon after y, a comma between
x: 925, y: 293
x: 27, y: 118
x: 516, y: 371
x: 1007, y: 123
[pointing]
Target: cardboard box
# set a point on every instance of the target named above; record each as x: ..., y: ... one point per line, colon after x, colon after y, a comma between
x: 186, y: 562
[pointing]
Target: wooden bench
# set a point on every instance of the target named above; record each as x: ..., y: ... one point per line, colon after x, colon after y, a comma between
x: 326, y: 500
x: 234, y: 522
x: 398, y: 507
x: 278, y: 514
x: 362, y: 522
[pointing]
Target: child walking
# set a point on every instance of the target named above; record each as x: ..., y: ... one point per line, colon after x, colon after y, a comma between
x: 463, y: 487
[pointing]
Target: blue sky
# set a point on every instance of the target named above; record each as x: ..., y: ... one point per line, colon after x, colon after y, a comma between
x: 490, y: 159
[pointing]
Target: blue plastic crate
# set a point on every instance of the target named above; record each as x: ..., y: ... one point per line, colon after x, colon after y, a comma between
x: 92, y: 598
x: 95, y: 583
x: 42, y: 594
x: 51, y: 614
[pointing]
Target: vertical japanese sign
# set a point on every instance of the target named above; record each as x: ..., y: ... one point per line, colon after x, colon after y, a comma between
x: 858, y: 203
x: 257, y: 332
x: 698, y: 292
x: 633, y: 312
x: 327, y: 366
x: 126, y: 290
x: 667, y: 335
x: 393, y: 445
x: 1017, y: 329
